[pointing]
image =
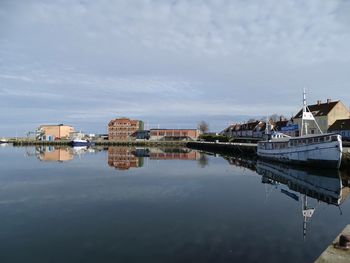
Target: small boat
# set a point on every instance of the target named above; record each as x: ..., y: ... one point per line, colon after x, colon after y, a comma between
x: 319, y: 150
x: 81, y: 142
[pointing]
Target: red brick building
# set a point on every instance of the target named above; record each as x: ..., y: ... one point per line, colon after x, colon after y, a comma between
x: 174, y: 134
x: 121, y: 129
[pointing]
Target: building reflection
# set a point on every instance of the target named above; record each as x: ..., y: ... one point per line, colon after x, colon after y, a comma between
x: 173, y: 154
x: 59, y: 153
x: 310, y: 187
x: 54, y: 154
x: 124, y: 158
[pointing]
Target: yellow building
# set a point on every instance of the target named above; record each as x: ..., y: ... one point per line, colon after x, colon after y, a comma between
x: 53, y: 132
x: 325, y: 115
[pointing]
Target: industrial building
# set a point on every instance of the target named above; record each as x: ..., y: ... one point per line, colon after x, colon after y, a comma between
x: 173, y: 134
x: 54, y: 132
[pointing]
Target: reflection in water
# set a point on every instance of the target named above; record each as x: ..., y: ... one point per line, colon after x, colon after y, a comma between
x: 50, y: 153
x: 173, y: 154
x: 58, y: 153
x: 322, y: 186
x: 124, y: 158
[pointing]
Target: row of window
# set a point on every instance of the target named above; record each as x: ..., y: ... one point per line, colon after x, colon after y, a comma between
x: 169, y: 134
x: 297, y: 142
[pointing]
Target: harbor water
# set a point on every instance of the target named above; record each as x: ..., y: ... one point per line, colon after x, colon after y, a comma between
x: 118, y: 204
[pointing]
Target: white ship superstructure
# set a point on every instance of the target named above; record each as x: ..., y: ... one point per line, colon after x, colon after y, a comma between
x: 311, y: 149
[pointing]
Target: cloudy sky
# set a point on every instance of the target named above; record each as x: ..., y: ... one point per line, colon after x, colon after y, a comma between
x: 170, y: 63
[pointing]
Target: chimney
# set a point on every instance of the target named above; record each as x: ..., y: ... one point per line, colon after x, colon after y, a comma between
x: 328, y: 101
x: 318, y: 102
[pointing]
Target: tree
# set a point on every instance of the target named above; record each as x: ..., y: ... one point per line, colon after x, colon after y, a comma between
x: 275, y: 117
x: 203, y: 126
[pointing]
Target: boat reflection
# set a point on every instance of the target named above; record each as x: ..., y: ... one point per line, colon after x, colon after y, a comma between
x: 124, y: 158
x: 322, y: 186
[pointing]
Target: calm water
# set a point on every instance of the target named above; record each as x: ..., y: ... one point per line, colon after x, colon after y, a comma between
x: 162, y: 205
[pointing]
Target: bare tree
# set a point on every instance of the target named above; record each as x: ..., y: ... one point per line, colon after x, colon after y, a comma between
x: 203, y: 126
x: 275, y: 117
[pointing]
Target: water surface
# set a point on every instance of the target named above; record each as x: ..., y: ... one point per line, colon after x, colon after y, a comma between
x: 163, y: 205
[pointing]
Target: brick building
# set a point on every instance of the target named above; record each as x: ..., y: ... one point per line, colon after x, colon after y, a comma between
x: 121, y: 129
x: 173, y: 134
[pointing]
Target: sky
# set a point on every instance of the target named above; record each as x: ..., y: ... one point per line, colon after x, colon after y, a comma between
x: 169, y: 63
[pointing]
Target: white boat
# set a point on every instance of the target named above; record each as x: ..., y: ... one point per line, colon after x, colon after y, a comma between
x: 320, y: 150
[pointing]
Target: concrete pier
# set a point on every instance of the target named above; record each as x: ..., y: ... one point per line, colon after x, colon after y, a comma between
x: 333, y: 254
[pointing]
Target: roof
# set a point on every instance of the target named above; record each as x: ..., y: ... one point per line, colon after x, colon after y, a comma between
x: 124, y: 121
x: 173, y: 129
x: 279, y: 124
x: 55, y: 125
x: 338, y: 125
x: 318, y: 110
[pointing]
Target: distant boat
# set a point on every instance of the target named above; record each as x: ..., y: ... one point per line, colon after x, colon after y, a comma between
x: 81, y: 142
x: 320, y: 150
x: 3, y: 140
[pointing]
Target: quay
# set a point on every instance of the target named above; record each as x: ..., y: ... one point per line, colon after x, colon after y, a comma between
x: 236, y: 148
x: 32, y: 142
x: 333, y: 254
x: 225, y: 147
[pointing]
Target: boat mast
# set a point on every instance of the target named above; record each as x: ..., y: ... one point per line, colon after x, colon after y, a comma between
x: 307, y: 115
x: 302, y: 115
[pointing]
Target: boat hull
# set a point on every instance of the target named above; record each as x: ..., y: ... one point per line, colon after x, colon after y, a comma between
x: 78, y: 143
x: 327, y: 154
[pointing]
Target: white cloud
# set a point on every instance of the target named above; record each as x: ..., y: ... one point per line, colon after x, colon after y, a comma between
x: 202, y: 57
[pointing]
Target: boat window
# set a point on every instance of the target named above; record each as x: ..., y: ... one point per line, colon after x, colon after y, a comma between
x: 334, y: 138
x: 322, y: 139
x: 327, y: 138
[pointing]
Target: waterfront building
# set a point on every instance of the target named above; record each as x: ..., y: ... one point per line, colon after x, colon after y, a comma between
x: 341, y: 127
x: 325, y: 115
x: 174, y: 134
x: 124, y: 158
x: 121, y: 129
x: 54, y: 132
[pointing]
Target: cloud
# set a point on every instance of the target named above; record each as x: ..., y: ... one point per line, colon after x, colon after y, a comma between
x: 203, y: 58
